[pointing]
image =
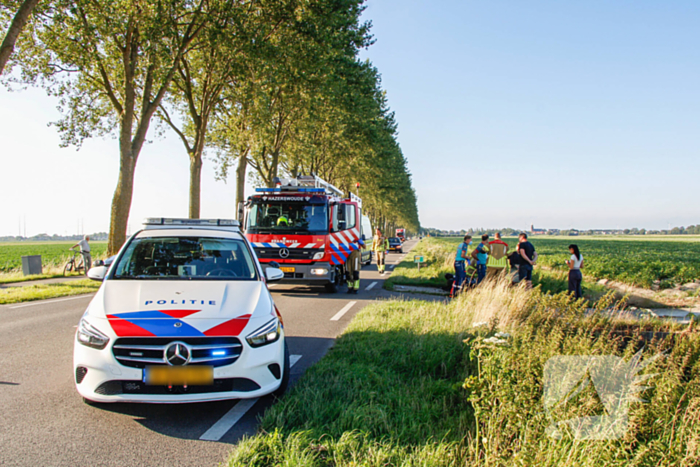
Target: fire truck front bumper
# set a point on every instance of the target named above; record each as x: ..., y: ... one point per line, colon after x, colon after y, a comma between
x: 320, y: 273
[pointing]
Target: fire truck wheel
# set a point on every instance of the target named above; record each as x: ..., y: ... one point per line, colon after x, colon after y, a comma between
x: 332, y: 287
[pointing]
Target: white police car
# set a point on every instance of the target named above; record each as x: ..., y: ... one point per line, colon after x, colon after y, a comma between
x: 183, y: 315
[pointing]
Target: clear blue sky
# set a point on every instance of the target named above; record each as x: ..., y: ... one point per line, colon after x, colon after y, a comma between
x: 562, y: 114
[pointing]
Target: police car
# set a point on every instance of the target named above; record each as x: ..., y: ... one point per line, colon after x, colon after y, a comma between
x: 183, y: 315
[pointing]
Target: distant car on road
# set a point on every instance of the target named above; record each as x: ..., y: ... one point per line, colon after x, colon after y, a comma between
x: 395, y: 244
x: 183, y: 315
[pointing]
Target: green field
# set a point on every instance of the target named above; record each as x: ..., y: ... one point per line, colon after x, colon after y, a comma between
x: 52, y: 253
x: 638, y: 261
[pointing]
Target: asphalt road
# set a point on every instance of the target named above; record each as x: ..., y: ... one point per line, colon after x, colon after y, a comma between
x: 43, y: 420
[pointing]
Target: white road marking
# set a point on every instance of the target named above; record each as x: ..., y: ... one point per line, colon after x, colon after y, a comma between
x: 41, y: 302
x: 269, y: 286
x: 371, y: 286
x: 345, y: 309
x: 225, y: 423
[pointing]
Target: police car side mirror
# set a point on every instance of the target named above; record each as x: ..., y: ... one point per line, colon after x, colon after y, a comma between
x: 97, y: 273
x: 273, y: 274
x: 274, y: 264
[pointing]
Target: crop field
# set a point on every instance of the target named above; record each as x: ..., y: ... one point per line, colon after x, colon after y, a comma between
x: 52, y: 253
x: 642, y: 262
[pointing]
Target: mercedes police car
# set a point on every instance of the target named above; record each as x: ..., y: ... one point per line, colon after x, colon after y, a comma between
x: 183, y: 315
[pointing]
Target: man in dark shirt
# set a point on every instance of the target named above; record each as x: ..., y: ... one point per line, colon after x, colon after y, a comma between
x: 528, y: 258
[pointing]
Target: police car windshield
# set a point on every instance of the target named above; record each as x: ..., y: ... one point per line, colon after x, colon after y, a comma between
x: 290, y: 217
x: 186, y: 258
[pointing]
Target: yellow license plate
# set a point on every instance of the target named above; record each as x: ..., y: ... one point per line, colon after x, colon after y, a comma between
x: 283, y: 269
x: 180, y: 376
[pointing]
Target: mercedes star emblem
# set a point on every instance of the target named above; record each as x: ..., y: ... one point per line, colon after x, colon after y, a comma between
x: 284, y: 252
x: 177, y: 354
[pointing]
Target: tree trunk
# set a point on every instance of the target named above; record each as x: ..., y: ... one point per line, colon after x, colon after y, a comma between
x: 121, y: 202
x: 274, y: 168
x: 195, y: 183
x: 240, y: 178
x: 18, y: 22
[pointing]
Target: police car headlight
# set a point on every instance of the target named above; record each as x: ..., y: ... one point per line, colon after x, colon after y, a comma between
x: 319, y: 272
x: 91, y: 337
x: 318, y: 255
x: 267, y: 334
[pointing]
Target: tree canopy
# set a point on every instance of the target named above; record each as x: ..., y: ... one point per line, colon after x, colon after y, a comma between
x: 274, y: 87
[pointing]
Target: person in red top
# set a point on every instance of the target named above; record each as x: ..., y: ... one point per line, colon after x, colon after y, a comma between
x: 498, y: 259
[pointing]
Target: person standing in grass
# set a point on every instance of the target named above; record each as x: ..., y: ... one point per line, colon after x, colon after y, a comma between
x: 85, y: 251
x: 528, y: 259
x: 482, y: 254
x: 461, y: 262
x: 380, y: 245
x: 575, y: 276
x: 498, y: 256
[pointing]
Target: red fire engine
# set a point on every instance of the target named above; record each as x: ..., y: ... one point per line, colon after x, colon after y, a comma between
x: 308, y: 227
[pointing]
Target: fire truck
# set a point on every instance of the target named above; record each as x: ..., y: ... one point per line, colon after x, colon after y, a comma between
x: 401, y: 234
x: 308, y: 227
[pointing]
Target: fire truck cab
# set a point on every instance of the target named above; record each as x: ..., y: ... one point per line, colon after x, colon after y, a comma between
x: 308, y: 227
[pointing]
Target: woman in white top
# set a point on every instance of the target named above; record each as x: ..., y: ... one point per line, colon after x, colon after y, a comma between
x: 575, y: 276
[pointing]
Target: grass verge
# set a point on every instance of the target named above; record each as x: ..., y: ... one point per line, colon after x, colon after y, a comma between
x: 439, y: 259
x: 418, y: 383
x: 17, y: 277
x: 45, y: 291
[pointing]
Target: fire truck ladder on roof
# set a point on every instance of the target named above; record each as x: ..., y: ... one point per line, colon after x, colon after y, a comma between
x: 309, y: 181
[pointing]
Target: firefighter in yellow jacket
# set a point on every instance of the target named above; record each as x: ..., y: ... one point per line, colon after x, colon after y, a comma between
x: 380, y: 245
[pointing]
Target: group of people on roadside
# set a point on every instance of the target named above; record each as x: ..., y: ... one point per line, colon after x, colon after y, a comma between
x: 493, y: 258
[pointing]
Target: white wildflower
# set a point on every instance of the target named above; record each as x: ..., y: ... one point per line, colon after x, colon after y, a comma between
x: 495, y: 341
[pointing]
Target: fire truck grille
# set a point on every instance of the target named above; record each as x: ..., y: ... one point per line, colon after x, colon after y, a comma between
x: 138, y: 352
x: 294, y: 253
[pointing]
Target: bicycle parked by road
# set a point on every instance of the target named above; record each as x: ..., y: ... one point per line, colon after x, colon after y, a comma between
x: 75, y: 264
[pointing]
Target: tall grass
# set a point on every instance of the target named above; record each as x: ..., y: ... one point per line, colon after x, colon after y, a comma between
x: 417, y: 383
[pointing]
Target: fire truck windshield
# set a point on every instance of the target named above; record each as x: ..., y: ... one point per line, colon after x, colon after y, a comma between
x: 290, y: 217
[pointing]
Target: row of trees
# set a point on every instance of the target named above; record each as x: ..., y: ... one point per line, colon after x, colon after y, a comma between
x: 269, y: 87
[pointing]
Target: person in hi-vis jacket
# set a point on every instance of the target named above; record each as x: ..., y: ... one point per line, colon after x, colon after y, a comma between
x: 380, y: 245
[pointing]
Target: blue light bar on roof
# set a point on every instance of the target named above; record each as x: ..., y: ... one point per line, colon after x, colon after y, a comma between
x: 201, y: 222
x: 268, y: 190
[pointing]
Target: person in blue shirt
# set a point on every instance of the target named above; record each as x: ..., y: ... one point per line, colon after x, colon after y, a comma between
x: 461, y: 262
x: 482, y: 256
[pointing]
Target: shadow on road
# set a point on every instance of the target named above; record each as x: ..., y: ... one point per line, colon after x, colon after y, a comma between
x: 190, y: 421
